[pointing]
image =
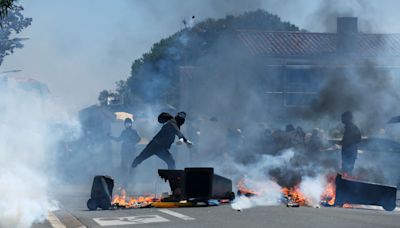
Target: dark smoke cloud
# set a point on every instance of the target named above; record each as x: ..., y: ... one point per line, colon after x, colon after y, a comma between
x: 139, y: 24
x: 367, y: 90
x: 373, y: 16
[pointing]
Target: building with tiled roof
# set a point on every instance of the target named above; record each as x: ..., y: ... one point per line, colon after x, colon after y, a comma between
x: 307, y: 44
x: 293, y: 64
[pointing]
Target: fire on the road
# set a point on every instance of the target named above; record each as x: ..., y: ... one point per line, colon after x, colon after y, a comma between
x: 123, y: 201
x: 295, y: 195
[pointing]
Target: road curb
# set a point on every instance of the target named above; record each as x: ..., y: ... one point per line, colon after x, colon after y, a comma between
x: 66, y: 219
x: 54, y: 221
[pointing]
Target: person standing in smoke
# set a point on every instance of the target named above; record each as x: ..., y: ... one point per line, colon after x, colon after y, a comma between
x: 130, y: 138
x: 351, y: 138
x: 161, y: 143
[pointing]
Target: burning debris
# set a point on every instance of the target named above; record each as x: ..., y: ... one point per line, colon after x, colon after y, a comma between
x: 244, y: 191
x: 121, y: 200
x: 329, y: 195
x: 293, y: 197
x: 189, y: 187
x: 338, y: 191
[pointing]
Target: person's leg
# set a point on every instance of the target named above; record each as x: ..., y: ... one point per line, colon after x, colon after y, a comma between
x: 124, y: 159
x: 345, y: 166
x: 147, y: 152
x: 345, y: 162
x: 350, y: 167
x: 124, y: 167
x: 348, y: 160
x: 166, y: 156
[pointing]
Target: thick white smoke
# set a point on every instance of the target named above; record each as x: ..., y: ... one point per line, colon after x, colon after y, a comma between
x: 313, y: 188
x: 268, y: 191
x: 27, y: 143
x: 270, y: 195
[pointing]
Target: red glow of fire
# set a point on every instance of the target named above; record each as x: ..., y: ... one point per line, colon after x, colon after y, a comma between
x: 347, y: 205
x: 242, y: 189
x: 121, y: 200
x: 295, y: 195
x: 329, y: 194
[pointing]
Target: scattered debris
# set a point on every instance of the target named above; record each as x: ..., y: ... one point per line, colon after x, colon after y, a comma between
x: 292, y: 204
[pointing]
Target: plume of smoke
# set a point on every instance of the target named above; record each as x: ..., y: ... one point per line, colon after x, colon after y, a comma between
x: 256, y: 178
x: 270, y: 195
x: 313, y: 188
x: 26, y: 140
x: 368, y: 91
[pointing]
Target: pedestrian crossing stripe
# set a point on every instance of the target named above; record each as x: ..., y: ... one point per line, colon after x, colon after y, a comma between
x: 176, y: 214
x: 130, y: 220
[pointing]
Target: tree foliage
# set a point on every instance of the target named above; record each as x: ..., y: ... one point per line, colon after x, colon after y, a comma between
x: 12, y: 23
x: 154, y: 76
x: 5, y: 6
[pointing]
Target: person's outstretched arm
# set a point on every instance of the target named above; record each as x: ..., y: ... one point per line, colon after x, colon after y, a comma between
x: 180, y: 135
x: 118, y: 139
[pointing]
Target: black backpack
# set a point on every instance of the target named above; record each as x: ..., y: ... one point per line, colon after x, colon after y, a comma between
x: 164, y: 117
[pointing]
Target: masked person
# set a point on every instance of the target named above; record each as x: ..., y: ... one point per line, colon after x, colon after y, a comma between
x: 130, y: 138
x: 161, y: 143
x: 351, y: 138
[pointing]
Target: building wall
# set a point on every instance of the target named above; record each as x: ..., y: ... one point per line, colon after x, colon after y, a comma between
x: 274, y: 89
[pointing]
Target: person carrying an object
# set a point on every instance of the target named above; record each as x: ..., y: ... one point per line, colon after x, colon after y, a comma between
x: 129, y: 138
x: 162, y: 141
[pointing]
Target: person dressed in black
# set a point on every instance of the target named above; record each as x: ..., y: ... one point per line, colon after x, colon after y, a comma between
x: 351, y: 138
x: 130, y: 138
x: 161, y: 143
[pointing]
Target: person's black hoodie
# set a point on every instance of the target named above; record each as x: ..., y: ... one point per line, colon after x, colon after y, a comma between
x: 166, y: 136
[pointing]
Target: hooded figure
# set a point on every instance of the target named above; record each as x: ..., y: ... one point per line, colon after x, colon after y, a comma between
x: 350, y: 140
x: 129, y: 138
x: 161, y: 143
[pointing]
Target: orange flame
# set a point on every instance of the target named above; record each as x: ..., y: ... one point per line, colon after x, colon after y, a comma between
x: 242, y: 189
x: 329, y: 194
x: 121, y: 200
x: 295, y: 195
x: 347, y: 205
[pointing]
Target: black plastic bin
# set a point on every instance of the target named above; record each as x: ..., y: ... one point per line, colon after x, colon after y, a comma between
x: 357, y: 192
x: 101, y: 194
x: 198, y: 184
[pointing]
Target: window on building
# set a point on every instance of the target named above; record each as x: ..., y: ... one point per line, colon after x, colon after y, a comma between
x: 301, y: 85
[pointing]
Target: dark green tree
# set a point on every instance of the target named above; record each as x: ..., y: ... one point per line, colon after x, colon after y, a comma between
x: 103, y: 96
x: 12, y: 23
x: 5, y: 6
x: 154, y: 76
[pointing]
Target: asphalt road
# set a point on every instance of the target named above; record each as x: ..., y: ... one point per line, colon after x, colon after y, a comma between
x: 74, y: 214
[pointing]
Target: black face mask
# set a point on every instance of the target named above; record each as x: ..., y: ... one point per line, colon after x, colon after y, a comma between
x: 180, y: 120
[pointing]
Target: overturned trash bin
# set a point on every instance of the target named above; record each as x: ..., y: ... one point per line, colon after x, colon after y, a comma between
x: 197, y: 184
x: 101, y: 194
x: 357, y: 192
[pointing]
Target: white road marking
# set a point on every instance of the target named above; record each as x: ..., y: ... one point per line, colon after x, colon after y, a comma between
x: 54, y: 221
x: 131, y: 220
x: 176, y: 214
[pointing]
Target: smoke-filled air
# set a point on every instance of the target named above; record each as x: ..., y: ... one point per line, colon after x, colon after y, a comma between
x: 112, y: 106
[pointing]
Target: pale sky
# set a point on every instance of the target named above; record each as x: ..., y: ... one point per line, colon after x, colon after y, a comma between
x: 79, y: 47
